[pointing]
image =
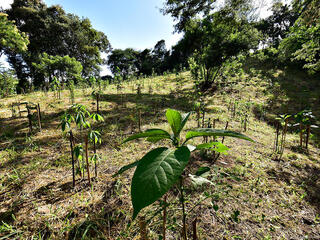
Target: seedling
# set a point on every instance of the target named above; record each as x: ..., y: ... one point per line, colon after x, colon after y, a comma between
x: 304, y: 121
x: 81, y: 120
x: 159, y: 170
x: 279, y: 145
x: 56, y: 87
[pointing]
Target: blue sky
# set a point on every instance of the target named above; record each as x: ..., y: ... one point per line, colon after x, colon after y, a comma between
x: 138, y: 24
x: 127, y: 23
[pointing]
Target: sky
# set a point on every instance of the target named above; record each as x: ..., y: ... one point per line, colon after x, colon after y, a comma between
x: 138, y: 24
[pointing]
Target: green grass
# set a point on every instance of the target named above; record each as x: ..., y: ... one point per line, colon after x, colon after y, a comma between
x: 253, y: 196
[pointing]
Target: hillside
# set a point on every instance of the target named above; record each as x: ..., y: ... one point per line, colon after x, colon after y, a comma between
x: 253, y: 196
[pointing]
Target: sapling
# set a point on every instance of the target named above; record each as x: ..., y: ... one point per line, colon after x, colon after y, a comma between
x: 304, y: 121
x: 283, y: 121
x: 81, y: 119
x: 95, y: 138
x: 160, y: 169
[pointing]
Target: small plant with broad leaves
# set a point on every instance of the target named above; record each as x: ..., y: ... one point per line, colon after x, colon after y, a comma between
x: 80, y: 116
x: 304, y: 120
x: 161, y: 168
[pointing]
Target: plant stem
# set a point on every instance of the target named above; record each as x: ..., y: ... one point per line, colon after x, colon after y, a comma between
x: 184, y: 228
x: 97, y: 103
x: 283, y: 140
x: 87, y: 159
x: 276, y: 144
x: 301, y: 135
x: 308, y: 136
x: 95, y: 163
x: 72, y: 157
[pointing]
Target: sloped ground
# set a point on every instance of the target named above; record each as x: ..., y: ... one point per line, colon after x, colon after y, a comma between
x: 254, y: 196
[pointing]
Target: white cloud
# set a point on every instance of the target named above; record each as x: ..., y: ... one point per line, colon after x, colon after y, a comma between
x: 5, y: 4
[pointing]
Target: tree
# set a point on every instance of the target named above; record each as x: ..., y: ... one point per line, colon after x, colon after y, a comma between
x: 123, y: 62
x: 11, y: 39
x: 276, y: 26
x: 64, y: 68
x: 216, y: 39
x: 55, y: 32
x: 8, y: 82
x: 183, y: 11
x: 145, y: 62
x: 303, y: 46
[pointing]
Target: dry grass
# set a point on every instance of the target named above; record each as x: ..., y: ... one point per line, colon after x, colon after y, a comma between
x: 273, y: 199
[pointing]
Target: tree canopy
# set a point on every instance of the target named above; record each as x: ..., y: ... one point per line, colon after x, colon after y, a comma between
x: 52, y: 30
x: 11, y: 39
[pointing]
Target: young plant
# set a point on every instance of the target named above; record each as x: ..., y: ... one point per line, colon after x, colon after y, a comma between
x: 304, y: 121
x: 56, y: 86
x: 161, y: 168
x: 279, y: 145
x: 82, y: 121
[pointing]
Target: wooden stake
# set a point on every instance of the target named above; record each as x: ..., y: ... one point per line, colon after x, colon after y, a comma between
x: 87, y: 159
x: 194, y: 227
x: 39, y: 116
x: 29, y: 118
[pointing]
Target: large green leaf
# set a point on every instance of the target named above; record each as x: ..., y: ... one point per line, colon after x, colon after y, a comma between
x: 150, y: 133
x: 156, y: 173
x: 214, y: 132
x: 175, y: 120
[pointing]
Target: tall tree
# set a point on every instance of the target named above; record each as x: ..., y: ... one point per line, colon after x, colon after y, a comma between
x: 185, y: 10
x: 55, y: 32
x: 123, y: 62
